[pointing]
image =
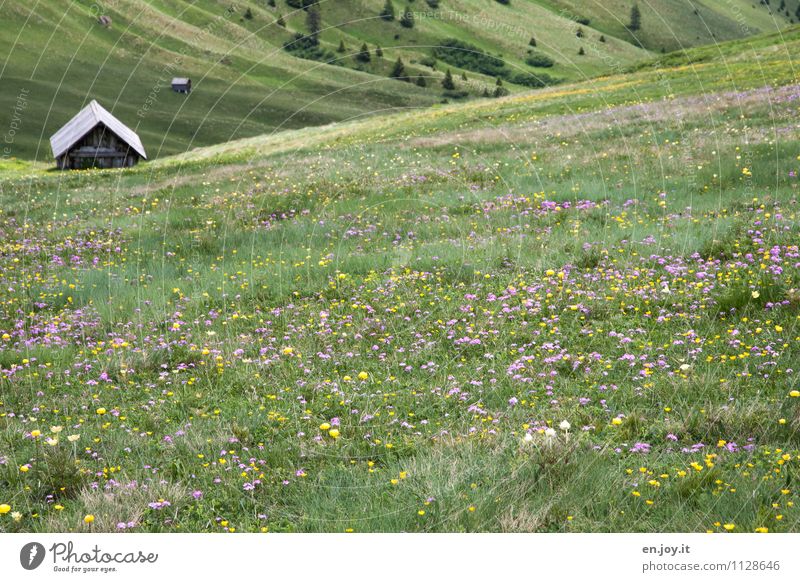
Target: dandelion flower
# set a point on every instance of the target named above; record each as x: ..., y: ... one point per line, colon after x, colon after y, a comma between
x: 4, y: 508
x: 88, y: 518
x: 363, y: 375
x: 334, y: 433
x: 794, y: 393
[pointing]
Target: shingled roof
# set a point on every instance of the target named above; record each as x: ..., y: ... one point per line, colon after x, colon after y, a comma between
x: 86, y: 120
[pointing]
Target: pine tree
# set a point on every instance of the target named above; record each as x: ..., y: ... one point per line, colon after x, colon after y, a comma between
x: 602, y: 38
x: 388, y: 11
x: 248, y: 14
x: 399, y: 70
x: 421, y: 82
x: 314, y: 22
x: 407, y: 19
x: 447, y: 82
x: 280, y: 21
x: 636, y: 18
x: 363, y: 54
x: 581, y: 52
x: 341, y: 48
x: 378, y: 51
x: 532, y: 41
x: 271, y: 3
x: 499, y: 90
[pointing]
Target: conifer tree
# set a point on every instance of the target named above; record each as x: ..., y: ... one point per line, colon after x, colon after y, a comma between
x: 407, y: 19
x: 363, y: 54
x: 636, y: 18
x: 399, y: 70
x: 314, y: 22
x: 447, y: 82
x: 388, y: 11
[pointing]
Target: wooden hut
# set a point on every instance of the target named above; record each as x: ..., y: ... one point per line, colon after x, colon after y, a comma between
x: 182, y: 85
x: 96, y: 139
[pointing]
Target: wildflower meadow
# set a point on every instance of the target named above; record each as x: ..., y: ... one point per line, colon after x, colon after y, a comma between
x: 573, y: 310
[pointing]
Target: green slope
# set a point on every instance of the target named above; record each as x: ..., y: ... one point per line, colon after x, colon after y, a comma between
x: 677, y: 24
x: 56, y: 56
x: 619, y: 253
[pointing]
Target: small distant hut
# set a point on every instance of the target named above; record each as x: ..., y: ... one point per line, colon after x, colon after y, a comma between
x: 96, y: 139
x: 182, y: 85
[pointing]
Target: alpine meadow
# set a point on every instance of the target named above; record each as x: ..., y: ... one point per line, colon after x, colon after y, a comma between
x: 426, y: 266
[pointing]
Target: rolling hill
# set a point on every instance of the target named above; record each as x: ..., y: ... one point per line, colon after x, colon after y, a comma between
x: 57, y: 56
x: 566, y: 310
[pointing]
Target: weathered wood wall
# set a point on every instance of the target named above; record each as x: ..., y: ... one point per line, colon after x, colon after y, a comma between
x: 100, y: 148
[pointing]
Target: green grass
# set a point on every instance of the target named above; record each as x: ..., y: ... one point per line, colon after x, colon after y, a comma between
x: 671, y: 25
x: 619, y: 253
x: 57, y: 57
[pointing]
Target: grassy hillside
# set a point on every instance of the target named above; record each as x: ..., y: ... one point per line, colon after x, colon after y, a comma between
x: 57, y: 56
x: 573, y: 309
x: 670, y: 25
